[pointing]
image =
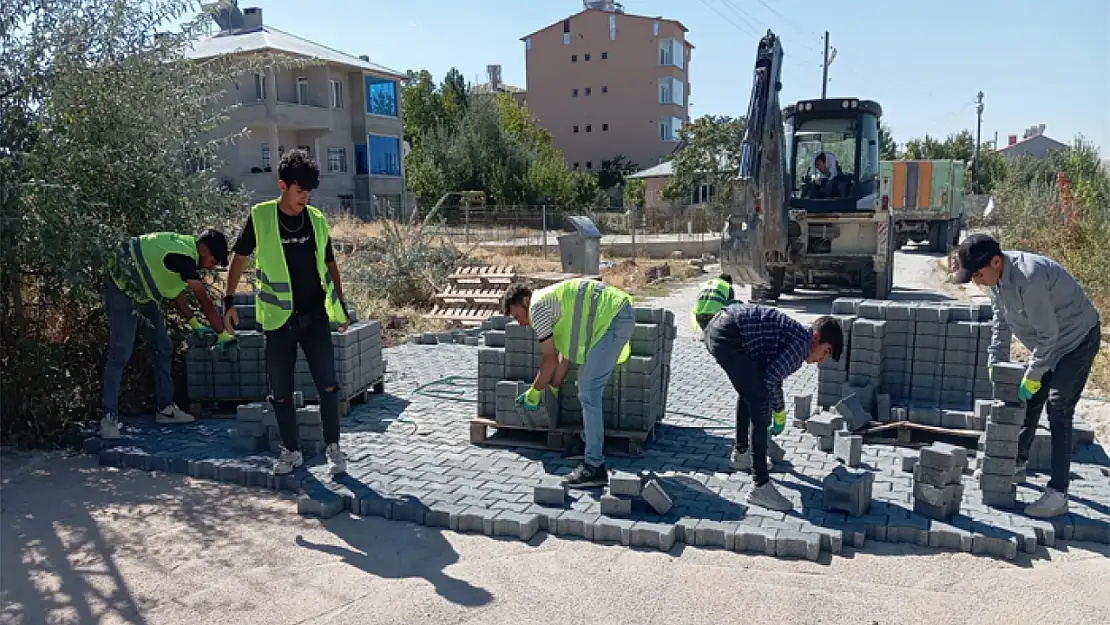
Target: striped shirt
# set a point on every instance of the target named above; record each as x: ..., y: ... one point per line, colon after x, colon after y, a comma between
x: 774, y: 340
x: 545, y: 313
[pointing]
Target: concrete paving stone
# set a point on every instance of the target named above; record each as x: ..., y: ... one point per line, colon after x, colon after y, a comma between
x: 321, y: 503
x: 445, y: 515
x: 654, y: 494
x: 407, y: 508
x: 848, y: 449
x: 994, y: 465
x: 615, y: 506
x: 1008, y: 372
x: 853, y: 411
x: 803, y: 407
x: 1000, y: 449
x: 847, y: 491
x: 913, y: 530
x: 937, y: 496
x: 1089, y: 529
x: 825, y: 443
x: 845, y: 305
x: 755, y: 539
x: 577, y: 524
x: 961, y: 419
x: 796, y: 544
x: 943, y: 456
x: 944, y: 536
x: 931, y: 314
x: 520, y: 525
x: 925, y: 414
x: 937, y: 477
x: 1009, y: 393
x: 999, y: 483
x: 1006, y: 414
x: 995, y: 543
x: 899, y: 413
x: 882, y: 407
x: 709, y: 533
x: 939, y: 513
x: 999, y: 499
x: 909, y: 462
x: 624, y: 484
x: 374, y: 504
x: 1044, y: 530
x: 652, y: 535
x: 477, y: 520
x: 998, y: 432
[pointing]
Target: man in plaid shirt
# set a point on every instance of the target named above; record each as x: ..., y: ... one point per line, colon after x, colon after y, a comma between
x: 758, y: 347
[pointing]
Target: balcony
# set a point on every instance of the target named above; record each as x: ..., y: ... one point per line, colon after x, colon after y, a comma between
x: 288, y: 115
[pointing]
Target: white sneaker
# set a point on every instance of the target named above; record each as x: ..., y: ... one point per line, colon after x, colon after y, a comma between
x: 109, y: 427
x: 337, y: 462
x: 171, y: 415
x: 288, y: 461
x: 767, y: 496
x: 741, y: 461
x: 1051, y: 503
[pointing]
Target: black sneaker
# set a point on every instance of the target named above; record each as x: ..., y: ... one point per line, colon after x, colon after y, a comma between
x: 586, y: 476
x: 575, y: 448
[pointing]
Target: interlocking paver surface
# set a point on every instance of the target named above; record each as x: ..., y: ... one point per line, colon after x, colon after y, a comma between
x: 409, y: 457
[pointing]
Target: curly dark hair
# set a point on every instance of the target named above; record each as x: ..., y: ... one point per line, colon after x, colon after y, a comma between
x: 829, y: 332
x: 298, y: 168
x: 514, y: 295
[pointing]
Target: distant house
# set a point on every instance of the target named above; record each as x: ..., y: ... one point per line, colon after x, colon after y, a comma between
x: 494, y: 85
x: 1034, y: 143
x: 656, y: 179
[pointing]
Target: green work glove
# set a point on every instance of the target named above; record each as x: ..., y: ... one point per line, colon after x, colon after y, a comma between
x: 990, y: 373
x: 1028, y: 389
x: 530, y: 398
x: 778, y: 422
x: 554, y: 391
x: 199, y: 327
x: 228, y: 345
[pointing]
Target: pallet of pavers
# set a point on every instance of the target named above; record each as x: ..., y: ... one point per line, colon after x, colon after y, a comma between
x: 633, y: 402
x: 213, y: 379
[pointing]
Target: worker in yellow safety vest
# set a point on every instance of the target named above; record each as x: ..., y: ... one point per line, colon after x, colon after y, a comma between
x: 714, y: 295
x: 590, y: 324
x: 140, y: 274
x: 298, y: 296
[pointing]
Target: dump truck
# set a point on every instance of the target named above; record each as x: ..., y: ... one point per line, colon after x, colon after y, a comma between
x: 795, y: 220
x: 926, y: 198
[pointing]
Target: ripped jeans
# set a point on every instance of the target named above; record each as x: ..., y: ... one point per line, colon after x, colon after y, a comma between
x: 312, y: 331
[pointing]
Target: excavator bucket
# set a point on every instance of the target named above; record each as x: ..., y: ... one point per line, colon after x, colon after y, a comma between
x: 742, y: 251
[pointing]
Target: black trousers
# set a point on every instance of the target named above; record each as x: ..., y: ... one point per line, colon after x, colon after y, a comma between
x: 1060, y: 392
x: 753, y: 415
x: 312, y: 331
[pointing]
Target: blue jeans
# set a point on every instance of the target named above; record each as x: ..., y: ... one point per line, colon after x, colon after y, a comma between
x: 594, y: 374
x: 125, y: 319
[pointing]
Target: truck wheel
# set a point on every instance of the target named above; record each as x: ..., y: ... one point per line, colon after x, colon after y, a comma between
x: 869, y: 283
x: 938, y: 237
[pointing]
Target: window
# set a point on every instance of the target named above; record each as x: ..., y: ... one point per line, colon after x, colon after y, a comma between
x: 670, y: 52
x: 702, y: 193
x: 260, y: 86
x: 589, y: 90
x: 362, y: 165
x: 381, y: 96
x: 605, y: 128
x: 589, y: 165
x: 589, y: 128
x: 385, y: 156
x: 566, y: 39
x: 528, y: 43
x: 612, y: 30
x: 817, y: 136
x: 302, y: 90
x: 587, y: 57
x: 655, y: 28
x: 869, y: 144
x: 670, y: 91
x: 574, y: 92
x: 337, y: 160
x: 346, y: 202
x: 576, y: 128
x: 575, y: 165
x: 605, y: 89
x: 604, y: 55
x: 574, y: 58
x: 669, y: 128
x: 336, y: 94
x: 265, y: 156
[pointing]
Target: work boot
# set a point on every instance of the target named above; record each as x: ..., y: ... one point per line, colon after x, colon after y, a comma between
x: 741, y: 460
x: 337, y: 461
x: 109, y: 427
x: 1051, y: 503
x: 767, y: 496
x: 171, y: 415
x: 288, y: 462
x: 586, y: 476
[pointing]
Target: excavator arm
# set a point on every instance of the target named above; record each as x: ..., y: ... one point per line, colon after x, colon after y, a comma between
x: 757, y: 228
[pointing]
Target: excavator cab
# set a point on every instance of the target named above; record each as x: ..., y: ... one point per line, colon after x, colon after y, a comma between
x: 833, y: 154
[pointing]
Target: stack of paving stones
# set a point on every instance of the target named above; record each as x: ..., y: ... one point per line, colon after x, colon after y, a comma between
x: 211, y: 377
x: 256, y: 428
x: 634, y: 398
x: 921, y: 361
x: 937, y: 491
x: 997, y: 477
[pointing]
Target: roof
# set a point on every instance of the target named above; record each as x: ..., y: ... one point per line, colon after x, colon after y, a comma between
x: 660, y: 19
x: 501, y: 88
x: 1054, y: 143
x: 665, y: 169
x: 265, y: 38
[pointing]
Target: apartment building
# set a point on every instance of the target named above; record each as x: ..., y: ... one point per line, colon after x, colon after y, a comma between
x: 605, y: 82
x: 343, y: 109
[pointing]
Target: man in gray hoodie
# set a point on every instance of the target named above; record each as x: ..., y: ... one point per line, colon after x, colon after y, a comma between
x: 1037, y: 300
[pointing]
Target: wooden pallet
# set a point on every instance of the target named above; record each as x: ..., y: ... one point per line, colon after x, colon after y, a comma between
x: 617, y: 442
x: 908, y: 433
x: 473, y: 295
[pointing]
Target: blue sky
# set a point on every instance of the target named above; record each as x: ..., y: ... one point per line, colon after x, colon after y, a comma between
x: 924, y: 60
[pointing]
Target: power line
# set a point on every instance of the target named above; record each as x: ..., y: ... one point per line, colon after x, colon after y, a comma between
x: 786, y: 56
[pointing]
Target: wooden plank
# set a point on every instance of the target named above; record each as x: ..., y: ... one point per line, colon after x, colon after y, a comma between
x: 933, y: 429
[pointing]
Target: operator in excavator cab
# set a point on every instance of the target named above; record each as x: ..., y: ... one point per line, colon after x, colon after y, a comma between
x: 827, y: 173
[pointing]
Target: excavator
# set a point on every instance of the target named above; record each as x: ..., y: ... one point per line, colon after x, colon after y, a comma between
x: 806, y: 209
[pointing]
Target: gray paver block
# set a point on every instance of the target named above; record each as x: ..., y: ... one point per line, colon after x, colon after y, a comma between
x: 825, y: 443
x: 755, y: 539
x: 847, y: 491
x: 657, y: 497
x: 1009, y: 393
x: 624, y: 484
x: 999, y: 499
x: 995, y: 544
x: 909, y: 461
x: 998, y: 466
x: 848, y: 449
x: 824, y: 424
x: 324, y: 504
x: 615, y: 506
x: 832, y: 540
x: 659, y: 536
x: 943, y: 456
x: 803, y: 407
x: 477, y: 520
x: 1000, y: 449
x: 997, y: 432
x: 578, y: 524
x: 1007, y: 372
x: 794, y: 544
x: 550, y: 491
x: 516, y: 524
x: 944, y: 536
x: 709, y: 533
x: 939, y: 497
x: 410, y: 509
x: 1006, y: 414
x: 937, y: 477
x: 613, y: 531
x: 851, y: 408
x: 443, y: 515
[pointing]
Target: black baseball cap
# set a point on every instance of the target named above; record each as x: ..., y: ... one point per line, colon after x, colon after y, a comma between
x: 974, y: 253
x: 216, y: 243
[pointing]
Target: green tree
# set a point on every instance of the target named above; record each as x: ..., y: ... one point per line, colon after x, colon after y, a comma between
x: 423, y: 104
x: 108, y: 132
x: 710, y: 153
x: 888, y: 148
x: 613, y: 171
x: 634, y: 193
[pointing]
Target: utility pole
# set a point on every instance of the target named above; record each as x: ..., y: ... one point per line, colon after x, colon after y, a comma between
x: 978, y: 141
x: 825, y: 69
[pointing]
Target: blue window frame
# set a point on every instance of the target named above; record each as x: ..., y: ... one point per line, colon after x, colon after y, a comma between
x: 381, y: 96
x: 385, y: 156
x: 362, y: 166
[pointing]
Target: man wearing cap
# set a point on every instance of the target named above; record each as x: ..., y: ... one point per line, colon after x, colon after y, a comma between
x: 1037, y: 300
x: 140, y: 274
